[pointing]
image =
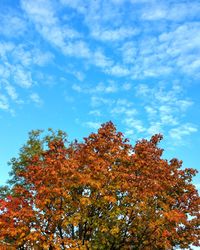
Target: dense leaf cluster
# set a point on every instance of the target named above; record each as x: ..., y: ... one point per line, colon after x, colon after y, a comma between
x: 102, y: 193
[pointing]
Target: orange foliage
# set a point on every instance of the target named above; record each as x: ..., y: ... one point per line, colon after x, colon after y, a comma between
x: 100, y: 194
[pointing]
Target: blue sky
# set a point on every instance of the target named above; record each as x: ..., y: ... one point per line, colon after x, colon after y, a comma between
x: 73, y: 64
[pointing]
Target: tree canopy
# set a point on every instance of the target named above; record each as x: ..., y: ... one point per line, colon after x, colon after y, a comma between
x: 102, y: 193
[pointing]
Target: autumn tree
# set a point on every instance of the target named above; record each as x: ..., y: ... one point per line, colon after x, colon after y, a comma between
x: 102, y: 193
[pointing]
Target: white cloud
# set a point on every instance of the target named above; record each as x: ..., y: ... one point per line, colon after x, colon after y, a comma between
x: 40, y: 11
x: 155, y: 13
x: 161, y: 53
x: 155, y: 53
x: 118, y: 70
x: 111, y: 35
x: 22, y: 77
x: 93, y: 125
x: 118, y: 2
x: 126, y: 86
x: 100, y: 60
x: 183, y: 130
x: 11, y: 92
x: 184, y: 104
x: 95, y: 11
x: 121, y: 39
x: 77, y: 88
x: 155, y: 128
x: 5, y: 71
x: 76, y: 4
x: 41, y: 58
x: 164, y: 109
x: 129, y: 52
x: 135, y: 124
x: 22, y: 56
x: 11, y: 24
x: 5, y: 47
x: 16, y: 62
x: 4, y: 105
x: 123, y: 102
x: 129, y: 133
x: 118, y: 110
x: 16, y: 71
x: 123, y: 110
x: 181, y: 39
x: 28, y: 56
x: 43, y: 15
x: 168, y: 119
x: 77, y: 74
x: 95, y: 112
x: 100, y: 101
x: 151, y: 112
x: 141, y: 1
x: 36, y: 99
x: 99, y: 88
x: 110, y: 88
x: 142, y: 90
x: 171, y: 11
x: 103, y: 19
x: 182, y: 47
x: 77, y: 48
